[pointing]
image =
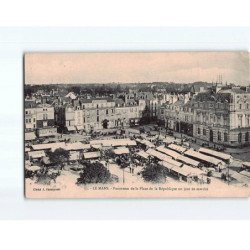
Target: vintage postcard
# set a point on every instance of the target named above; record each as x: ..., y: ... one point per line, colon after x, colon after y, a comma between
x: 137, y: 125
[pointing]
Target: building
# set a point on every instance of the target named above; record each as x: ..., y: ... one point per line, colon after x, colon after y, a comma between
x: 220, y: 116
x: 39, y: 118
x: 96, y: 114
x: 128, y: 113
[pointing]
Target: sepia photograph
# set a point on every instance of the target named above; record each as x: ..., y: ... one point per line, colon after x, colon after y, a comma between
x: 136, y: 124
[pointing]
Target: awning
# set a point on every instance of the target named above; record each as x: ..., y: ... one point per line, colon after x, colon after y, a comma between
x: 71, y: 128
x: 168, y: 140
x: 214, y: 153
x: 192, y: 171
x: 36, y: 154
x: 133, y: 131
x: 188, y: 160
x: 97, y: 146
x: 48, y: 145
x: 45, y: 160
x: 169, y: 152
x: 173, y: 162
x: 203, y: 157
x: 27, y: 149
x: 114, y: 142
x: 80, y: 127
x: 177, y: 148
x: 146, y: 143
x: 30, y: 136
x: 246, y: 164
x: 33, y: 168
x: 76, y: 146
x: 91, y: 155
x: 239, y: 177
x: 121, y: 150
x: 157, y: 154
x: 143, y: 154
x: 246, y: 173
x: 74, y: 155
x: 154, y: 133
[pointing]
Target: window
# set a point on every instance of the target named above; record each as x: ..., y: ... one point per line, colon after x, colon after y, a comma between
x: 240, y: 137
x: 45, y: 116
x: 45, y: 124
x: 97, y: 119
x: 34, y: 119
x: 97, y: 111
x: 225, y: 137
x: 26, y: 112
x: 248, y: 120
x: 211, y: 118
x: 204, y: 132
x: 240, y: 120
x: 107, y: 111
x: 27, y: 120
x: 219, y: 136
x: 247, y: 105
x: 247, y: 136
x: 199, y: 131
x: 240, y: 106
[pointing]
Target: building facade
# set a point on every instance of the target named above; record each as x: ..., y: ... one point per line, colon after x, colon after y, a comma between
x: 220, y: 116
x: 39, y: 118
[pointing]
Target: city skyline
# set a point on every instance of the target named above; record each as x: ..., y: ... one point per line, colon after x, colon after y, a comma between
x: 136, y: 67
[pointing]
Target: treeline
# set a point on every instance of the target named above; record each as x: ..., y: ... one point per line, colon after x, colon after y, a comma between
x: 112, y: 88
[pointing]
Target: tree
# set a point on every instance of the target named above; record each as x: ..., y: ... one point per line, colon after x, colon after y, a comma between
x: 94, y: 173
x: 59, y: 156
x: 154, y: 173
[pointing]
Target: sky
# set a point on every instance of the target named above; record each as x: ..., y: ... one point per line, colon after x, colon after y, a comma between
x: 181, y: 67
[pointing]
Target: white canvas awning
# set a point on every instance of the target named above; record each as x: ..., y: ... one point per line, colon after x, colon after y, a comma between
x: 173, y: 162
x: 216, y: 154
x: 246, y: 173
x: 114, y: 142
x: 36, y: 154
x: 246, y: 164
x: 27, y: 149
x: 240, y: 177
x: 168, y: 140
x: 174, y: 168
x: 183, y: 170
x: 121, y: 150
x: 76, y: 146
x: 169, y: 152
x: 74, y: 155
x: 71, y: 128
x: 192, y: 171
x: 177, y: 148
x: 32, y: 168
x: 80, y: 127
x: 133, y: 131
x: 188, y: 160
x: 157, y: 154
x: 48, y: 146
x: 203, y: 157
x: 148, y: 143
x: 91, y: 155
x: 143, y: 154
x: 29, y: 136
